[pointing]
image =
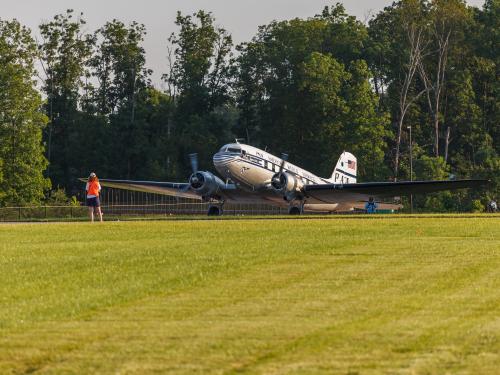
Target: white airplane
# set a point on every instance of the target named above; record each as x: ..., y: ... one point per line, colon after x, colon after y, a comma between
x: 252, y: 175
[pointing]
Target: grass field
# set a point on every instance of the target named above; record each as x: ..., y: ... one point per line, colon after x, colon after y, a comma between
x: 367, y: 296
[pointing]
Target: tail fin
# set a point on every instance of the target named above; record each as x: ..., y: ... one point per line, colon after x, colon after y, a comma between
x: 346, y: 169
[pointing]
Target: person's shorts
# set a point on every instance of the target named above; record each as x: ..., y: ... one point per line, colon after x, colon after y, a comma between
x: 93, y: 202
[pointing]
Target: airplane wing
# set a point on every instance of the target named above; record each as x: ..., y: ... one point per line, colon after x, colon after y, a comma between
x: 166, y: 188
x: 229, y: 192
x: 332, y: 193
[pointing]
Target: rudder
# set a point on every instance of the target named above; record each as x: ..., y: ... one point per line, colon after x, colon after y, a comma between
x: 346, y: 169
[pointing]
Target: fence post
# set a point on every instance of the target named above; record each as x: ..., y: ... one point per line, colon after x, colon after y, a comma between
x: 71, y: 212
x: 45, y: 211
x: 19, y: 213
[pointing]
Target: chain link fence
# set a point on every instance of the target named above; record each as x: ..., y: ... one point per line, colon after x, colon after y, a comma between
x: 42, y: 213
x: 120, y: 204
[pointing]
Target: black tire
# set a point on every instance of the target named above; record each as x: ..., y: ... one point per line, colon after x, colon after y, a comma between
x: 294, y: 210
x: 214, y: 211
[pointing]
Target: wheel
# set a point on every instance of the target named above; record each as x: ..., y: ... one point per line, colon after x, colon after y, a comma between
x: 294, y: 210
x: 214, y: 211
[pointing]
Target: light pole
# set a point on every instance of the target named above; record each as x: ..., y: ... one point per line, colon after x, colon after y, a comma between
x: 411, y: 169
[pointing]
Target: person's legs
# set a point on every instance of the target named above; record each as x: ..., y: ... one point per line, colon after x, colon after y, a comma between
x: 92, y: 203
x: 98, y: 208
x: 99, y: 212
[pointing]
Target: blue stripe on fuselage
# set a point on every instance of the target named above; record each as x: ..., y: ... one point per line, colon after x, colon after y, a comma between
x: 258, y: 164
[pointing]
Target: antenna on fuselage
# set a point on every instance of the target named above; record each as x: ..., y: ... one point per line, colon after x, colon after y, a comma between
x: 237, y: 140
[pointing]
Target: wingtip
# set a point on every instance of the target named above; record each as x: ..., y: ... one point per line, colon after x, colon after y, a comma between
x: 482, y: 182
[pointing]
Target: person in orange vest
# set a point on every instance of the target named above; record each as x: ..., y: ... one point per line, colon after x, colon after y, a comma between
x: 92, y: 190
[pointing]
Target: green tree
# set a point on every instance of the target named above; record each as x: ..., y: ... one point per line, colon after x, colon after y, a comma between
x: 302, y: 86
x: 366, y: 128
x: 432, y: 168
x: 199, y: 82
x: 64, y: 52
x: 453, y: 110
x: 2, y: 193
x: 398, y: 43
x: 316, y: 122
x: 479, y: 154
x: 118, y: 64
x: 484, y: 37
x: 447, y: 19
x: 21, y: 121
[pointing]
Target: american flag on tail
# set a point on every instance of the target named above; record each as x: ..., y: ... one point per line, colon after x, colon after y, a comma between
x: 351, y: 164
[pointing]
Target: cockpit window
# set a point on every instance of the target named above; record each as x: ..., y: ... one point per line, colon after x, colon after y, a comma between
x: 233, y: 149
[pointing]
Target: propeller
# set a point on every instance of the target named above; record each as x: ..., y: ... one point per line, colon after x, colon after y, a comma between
x: 284, y: 158
x: 193, y: 158
x: 277, y: 177
x: 194, y: 179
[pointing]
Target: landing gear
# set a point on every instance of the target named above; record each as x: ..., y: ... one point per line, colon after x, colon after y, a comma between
x: 214, y: 211
x: 296, y: 209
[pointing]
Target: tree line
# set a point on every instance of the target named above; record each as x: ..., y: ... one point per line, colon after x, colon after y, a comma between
x: 73, y: 101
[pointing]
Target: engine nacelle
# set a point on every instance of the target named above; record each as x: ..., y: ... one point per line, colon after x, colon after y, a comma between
x: 288, y: 185
x: 205, y: 183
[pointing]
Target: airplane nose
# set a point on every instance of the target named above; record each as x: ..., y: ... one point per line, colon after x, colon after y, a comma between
x: 222, y: 159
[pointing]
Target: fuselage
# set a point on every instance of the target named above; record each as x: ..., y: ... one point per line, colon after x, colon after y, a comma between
x: 252, y: 168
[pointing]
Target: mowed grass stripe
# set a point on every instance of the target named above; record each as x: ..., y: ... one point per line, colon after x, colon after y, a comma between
x: 369, y: 296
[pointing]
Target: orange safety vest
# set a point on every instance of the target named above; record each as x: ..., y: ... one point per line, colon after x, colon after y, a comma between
x: 93, y: 188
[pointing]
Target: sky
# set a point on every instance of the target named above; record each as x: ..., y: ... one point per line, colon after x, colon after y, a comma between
x: 240, y: 17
